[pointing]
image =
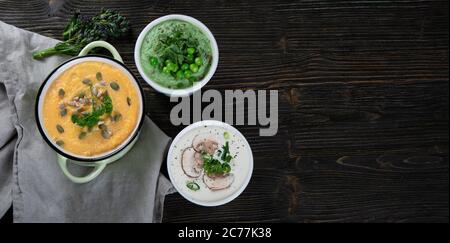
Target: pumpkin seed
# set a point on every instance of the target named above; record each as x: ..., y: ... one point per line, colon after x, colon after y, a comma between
x: 87, y: 81
x: 106, y: 134
x: 129, y: 101
x: 59, y: 142
x: 63, y: 112
x: 99, y: 76
x: 117, y: 117
x: 73, y: 103
x: 94, y: 91
x: 61, y: 92
x: 81, y: 95
x: 114, y: 86
x: 82, y: 135
x: 60, y: 128
x: 102, y: 127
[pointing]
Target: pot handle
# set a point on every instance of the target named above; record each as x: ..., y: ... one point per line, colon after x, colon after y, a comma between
x: 62, y: 161
x: 103, y: 44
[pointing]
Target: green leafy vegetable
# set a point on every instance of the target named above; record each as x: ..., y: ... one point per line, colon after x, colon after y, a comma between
x: 226, y: 156
x: 213, y: 165
x: 193, y: 186
x: 92, y: 118
x: 81, y: 30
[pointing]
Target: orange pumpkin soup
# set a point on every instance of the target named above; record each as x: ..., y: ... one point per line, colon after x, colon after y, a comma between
x: 91, y: 108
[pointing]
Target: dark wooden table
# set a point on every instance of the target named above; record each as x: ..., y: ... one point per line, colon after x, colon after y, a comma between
x: 363, y: 106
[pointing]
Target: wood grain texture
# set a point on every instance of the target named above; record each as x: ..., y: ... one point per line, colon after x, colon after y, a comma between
x: 363, y: 106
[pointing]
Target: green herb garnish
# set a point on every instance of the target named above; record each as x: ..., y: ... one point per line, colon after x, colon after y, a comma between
x: 193, y: 186
x: 213, y: 165
x: 226, y: 156
x: 178, y: 57
x: 91, y: 119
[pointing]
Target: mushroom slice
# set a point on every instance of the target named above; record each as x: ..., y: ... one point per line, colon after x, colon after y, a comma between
x: 218, y: 182
x: 189, y: 164
x: 205, y: 143
x: 198, y: 162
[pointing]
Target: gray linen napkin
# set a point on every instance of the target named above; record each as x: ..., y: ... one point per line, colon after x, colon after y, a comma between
x: 129, y: 190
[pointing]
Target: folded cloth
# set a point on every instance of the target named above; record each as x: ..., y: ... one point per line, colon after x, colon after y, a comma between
x: 8, y: 137
x: 128, y: 190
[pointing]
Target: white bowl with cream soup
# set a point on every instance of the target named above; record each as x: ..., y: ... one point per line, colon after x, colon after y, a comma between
x: 210, y: 163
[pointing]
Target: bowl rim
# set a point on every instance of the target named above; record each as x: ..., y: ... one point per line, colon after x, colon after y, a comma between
x: 177, y: 92
x: 228, y: 127
x: 106, y: 155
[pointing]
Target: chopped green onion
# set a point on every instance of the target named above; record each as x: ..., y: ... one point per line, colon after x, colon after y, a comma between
x: 226, y: 135
x: 193, y: 186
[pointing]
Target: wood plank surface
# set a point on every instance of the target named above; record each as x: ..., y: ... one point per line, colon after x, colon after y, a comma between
x: 363, y: 102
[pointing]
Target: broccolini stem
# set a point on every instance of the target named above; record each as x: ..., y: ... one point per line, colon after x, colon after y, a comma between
x: 45, y: 53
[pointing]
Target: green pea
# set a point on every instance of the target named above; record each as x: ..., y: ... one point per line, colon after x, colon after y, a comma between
x: 154, y: 61
x: 187, y: 74
x: 166, y: 70
x: 168, y: 61
x: 190, y: 50
x: 190, y: 58
x: 185, y: 66
x: 173, y: 67
x: 193, y: 67
x: 180, y: 74
x: 198, y: 61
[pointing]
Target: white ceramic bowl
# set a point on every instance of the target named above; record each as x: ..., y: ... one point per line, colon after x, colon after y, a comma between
x: 210, y: 123
x: 198, y: 85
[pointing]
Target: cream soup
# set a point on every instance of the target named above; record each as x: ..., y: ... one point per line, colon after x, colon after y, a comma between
x: 211, y: 140
x: 91, y: 108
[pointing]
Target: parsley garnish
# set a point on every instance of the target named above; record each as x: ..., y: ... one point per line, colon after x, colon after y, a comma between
x: 226, y: 156
x: 213, y: 165
x: 91, y: 119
